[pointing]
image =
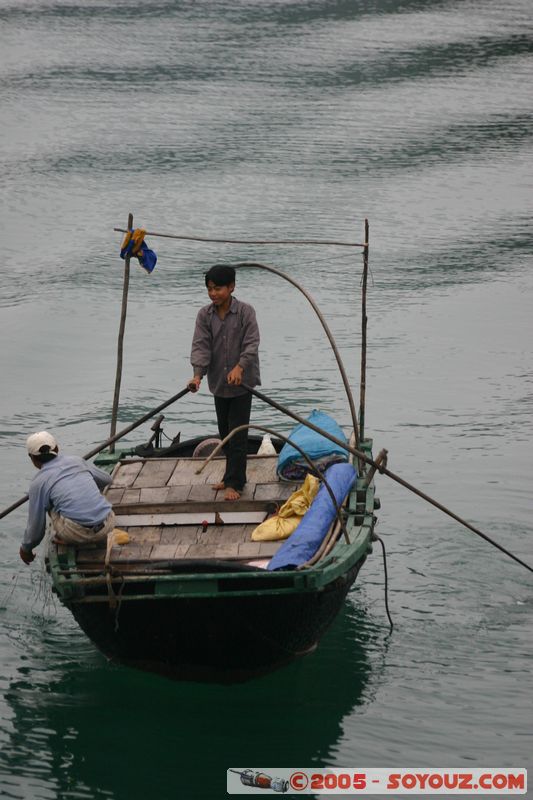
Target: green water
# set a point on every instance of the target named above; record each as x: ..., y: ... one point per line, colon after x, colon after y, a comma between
x: 278, y: 120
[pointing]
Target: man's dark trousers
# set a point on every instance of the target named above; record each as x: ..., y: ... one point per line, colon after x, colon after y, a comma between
x: 232, y: 412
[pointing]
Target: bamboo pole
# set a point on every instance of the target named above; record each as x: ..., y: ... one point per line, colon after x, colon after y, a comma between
x: 120, y: 344
x: 249, y: 241
x: 364, y: 320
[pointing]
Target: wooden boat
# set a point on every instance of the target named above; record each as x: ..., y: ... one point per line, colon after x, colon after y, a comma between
x: 188, y: 596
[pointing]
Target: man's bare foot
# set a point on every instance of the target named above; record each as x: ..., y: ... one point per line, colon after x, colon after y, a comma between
x: 217, y: 486
x: 231, y: 494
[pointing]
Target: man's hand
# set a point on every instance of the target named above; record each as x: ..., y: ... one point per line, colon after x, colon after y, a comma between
x: 26, y: 555
x: 235, y: 376
x: 194, y: 383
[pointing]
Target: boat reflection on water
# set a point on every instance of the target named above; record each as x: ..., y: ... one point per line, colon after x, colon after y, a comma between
x: 93, y: 728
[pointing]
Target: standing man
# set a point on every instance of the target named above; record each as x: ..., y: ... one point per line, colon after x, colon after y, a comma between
x: 225, y: 346
x: 69, y: 489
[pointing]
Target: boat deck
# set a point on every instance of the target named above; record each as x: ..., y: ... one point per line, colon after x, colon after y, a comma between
x: 170, y: 511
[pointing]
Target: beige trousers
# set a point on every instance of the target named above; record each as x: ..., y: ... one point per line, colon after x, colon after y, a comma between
x: 71, y: 532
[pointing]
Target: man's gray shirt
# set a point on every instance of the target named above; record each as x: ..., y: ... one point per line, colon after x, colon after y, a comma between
x: 219, y: 345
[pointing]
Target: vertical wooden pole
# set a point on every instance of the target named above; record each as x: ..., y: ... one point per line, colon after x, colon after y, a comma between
x: 364, y: 321
x: 120, y: 346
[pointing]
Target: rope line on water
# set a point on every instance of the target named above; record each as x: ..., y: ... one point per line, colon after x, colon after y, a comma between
x: 382, y: 543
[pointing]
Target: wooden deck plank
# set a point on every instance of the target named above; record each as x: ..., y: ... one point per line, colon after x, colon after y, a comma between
x: 212, y: 472
x: 268, y: 549
x: 249, y: 549
x: 131, y: 496
x: 181, y: 551
x: 223, y: 534
x: 113, y: 495
x: 183, y: 472
x: 262, y: 470
x: 274, y: 492
x: 234, y: 533
x: 200, y: 509
x: 125, y: 474
x: 157, y: 495
x: 178, y: 494
x: 201, y: 493
x: 147, y: 535
x: 226, y: 551
x: 184, y: 534
x: 162, y: 552
x: 154, y: 473
x: 201, y: 551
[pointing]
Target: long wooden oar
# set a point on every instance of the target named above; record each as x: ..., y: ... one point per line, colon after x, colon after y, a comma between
x: 385, y: 471
x: 109, y: 441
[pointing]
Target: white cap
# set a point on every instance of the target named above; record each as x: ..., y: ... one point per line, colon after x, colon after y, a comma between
x: 36, y: 441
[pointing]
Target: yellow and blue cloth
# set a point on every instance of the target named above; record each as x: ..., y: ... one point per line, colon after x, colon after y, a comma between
x: 133, y: 244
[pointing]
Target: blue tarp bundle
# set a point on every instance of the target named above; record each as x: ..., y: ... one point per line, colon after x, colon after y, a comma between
x: 292, y: 466
x: 308, y: 536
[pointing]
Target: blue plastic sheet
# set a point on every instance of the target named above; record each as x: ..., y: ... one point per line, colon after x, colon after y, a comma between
x: 292, y: 466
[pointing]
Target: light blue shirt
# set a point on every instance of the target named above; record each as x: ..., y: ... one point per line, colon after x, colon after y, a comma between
x: 70, y: 486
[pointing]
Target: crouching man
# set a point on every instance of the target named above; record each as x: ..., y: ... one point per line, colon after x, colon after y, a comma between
x: 69, y: 489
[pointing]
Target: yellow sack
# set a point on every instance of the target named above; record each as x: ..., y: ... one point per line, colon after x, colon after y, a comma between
x: 290, y: 514
x: 132, y: 242
x: 120, y: 536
